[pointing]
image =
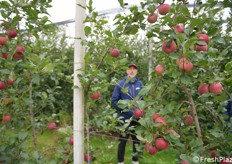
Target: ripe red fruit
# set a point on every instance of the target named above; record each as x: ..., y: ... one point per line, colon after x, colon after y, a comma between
x: 186, y: 66
x: 52, y: 126
x: 114, y: 52
x: 170, y: 48
x: 204, y: 88
x: 164, y: 9
x: 159, y: 69
x: 6, y: 118
x: 213, y: 153
x: 180, y: 60
x: 150, y: 149
x: 188, y: 120
x: 155, y: 116
x: 10, y: 81
x: 184, y: 162
x: 5, y: 55
x: 3, y: 40
x: 88, y: 158
x: 95, y: 96
x: 203, y: 37
x: 215, y: 88
x: 18, y: 55
x: 139, y: 113
x: 161, y: 144
x: 71, y: 140
x: 152, y: 18
x: 2, y: 85
x: 161, y: 120
x: 20, y: 49
x: 12, y: 33
x: 178, y: 28
x: 6, y: 100
x: 201, y: 47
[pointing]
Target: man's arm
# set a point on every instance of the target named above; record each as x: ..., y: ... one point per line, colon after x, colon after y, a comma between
x: 116, y: 96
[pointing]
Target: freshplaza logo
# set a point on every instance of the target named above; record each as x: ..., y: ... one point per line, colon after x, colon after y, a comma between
x: 197, y: 159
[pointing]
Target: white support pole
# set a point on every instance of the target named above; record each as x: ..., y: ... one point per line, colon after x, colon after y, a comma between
x: 78, y: 93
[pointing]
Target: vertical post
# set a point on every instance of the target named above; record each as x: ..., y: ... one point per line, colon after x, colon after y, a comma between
x: 78, y: 93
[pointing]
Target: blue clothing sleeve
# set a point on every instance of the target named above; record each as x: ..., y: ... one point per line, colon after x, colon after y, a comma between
x: 116, y: 96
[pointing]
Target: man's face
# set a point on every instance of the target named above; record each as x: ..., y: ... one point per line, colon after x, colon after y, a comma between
x: 131, y: 72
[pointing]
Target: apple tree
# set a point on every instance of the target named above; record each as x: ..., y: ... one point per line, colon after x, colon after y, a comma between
x: 185, y: 98
x: 31, y: 69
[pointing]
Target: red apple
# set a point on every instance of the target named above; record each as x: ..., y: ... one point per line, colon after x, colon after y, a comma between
x: 10, y: 81
x: 2, y: 85
x: 184, y: 162
x: 95, y: 96
x: 186, y: 66
x: 178, y: 28
x: 213, y: 153
x: 203, y: 37
x: 180, y: 60
x: 164, y: 9
x: 3, y: 40
x: 188, y: 120
x: 6, y: 100
x: 204, y: 88
x: 215, y: 88
x: 52, y: 126
x: 18, y: 55
x: 152, y: 18
x: 161, y: 120
x: 71, y: 140
x: 159, y: 69
x: 139, y: 113
x: 88, y: 158
x: 6, y: 118
x: 12, y: 33
x: 5, y: 55
x: 20, y: 49
x: 161, y: 144
x: 201, y: 47
x: 155, y: 116
x: 114, y: 52
x: 168, y: 48
x: 150, y: 149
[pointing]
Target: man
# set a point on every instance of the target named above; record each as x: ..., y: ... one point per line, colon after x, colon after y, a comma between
x: 133, y: 86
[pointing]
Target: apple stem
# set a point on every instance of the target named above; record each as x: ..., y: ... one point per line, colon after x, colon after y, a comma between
x: 195, y: 117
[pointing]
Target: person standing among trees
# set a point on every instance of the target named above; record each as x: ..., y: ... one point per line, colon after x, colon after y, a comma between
x: 133, y: 85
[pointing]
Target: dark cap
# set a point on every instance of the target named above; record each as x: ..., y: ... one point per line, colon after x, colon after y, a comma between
x: 132, y: 65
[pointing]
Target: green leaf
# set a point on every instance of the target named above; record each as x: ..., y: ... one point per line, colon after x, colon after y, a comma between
x: 195, y: 143
x: 144, y: 90
x: 186, y: 157
x: 48, y: 68
x: 36, y: 79
x: 123, y: 103
x: 87, y: 30
x: 121, y: 2
x: 35, y: 155
x: 195, y: 22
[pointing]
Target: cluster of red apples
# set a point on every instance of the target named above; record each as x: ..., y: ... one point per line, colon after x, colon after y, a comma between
x: 5, y: 50
x: 159, y: 143
x: 183, y: 63
x: 18, y: 51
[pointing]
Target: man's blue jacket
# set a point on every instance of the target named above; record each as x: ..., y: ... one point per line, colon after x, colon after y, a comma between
x: 133, y: 89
